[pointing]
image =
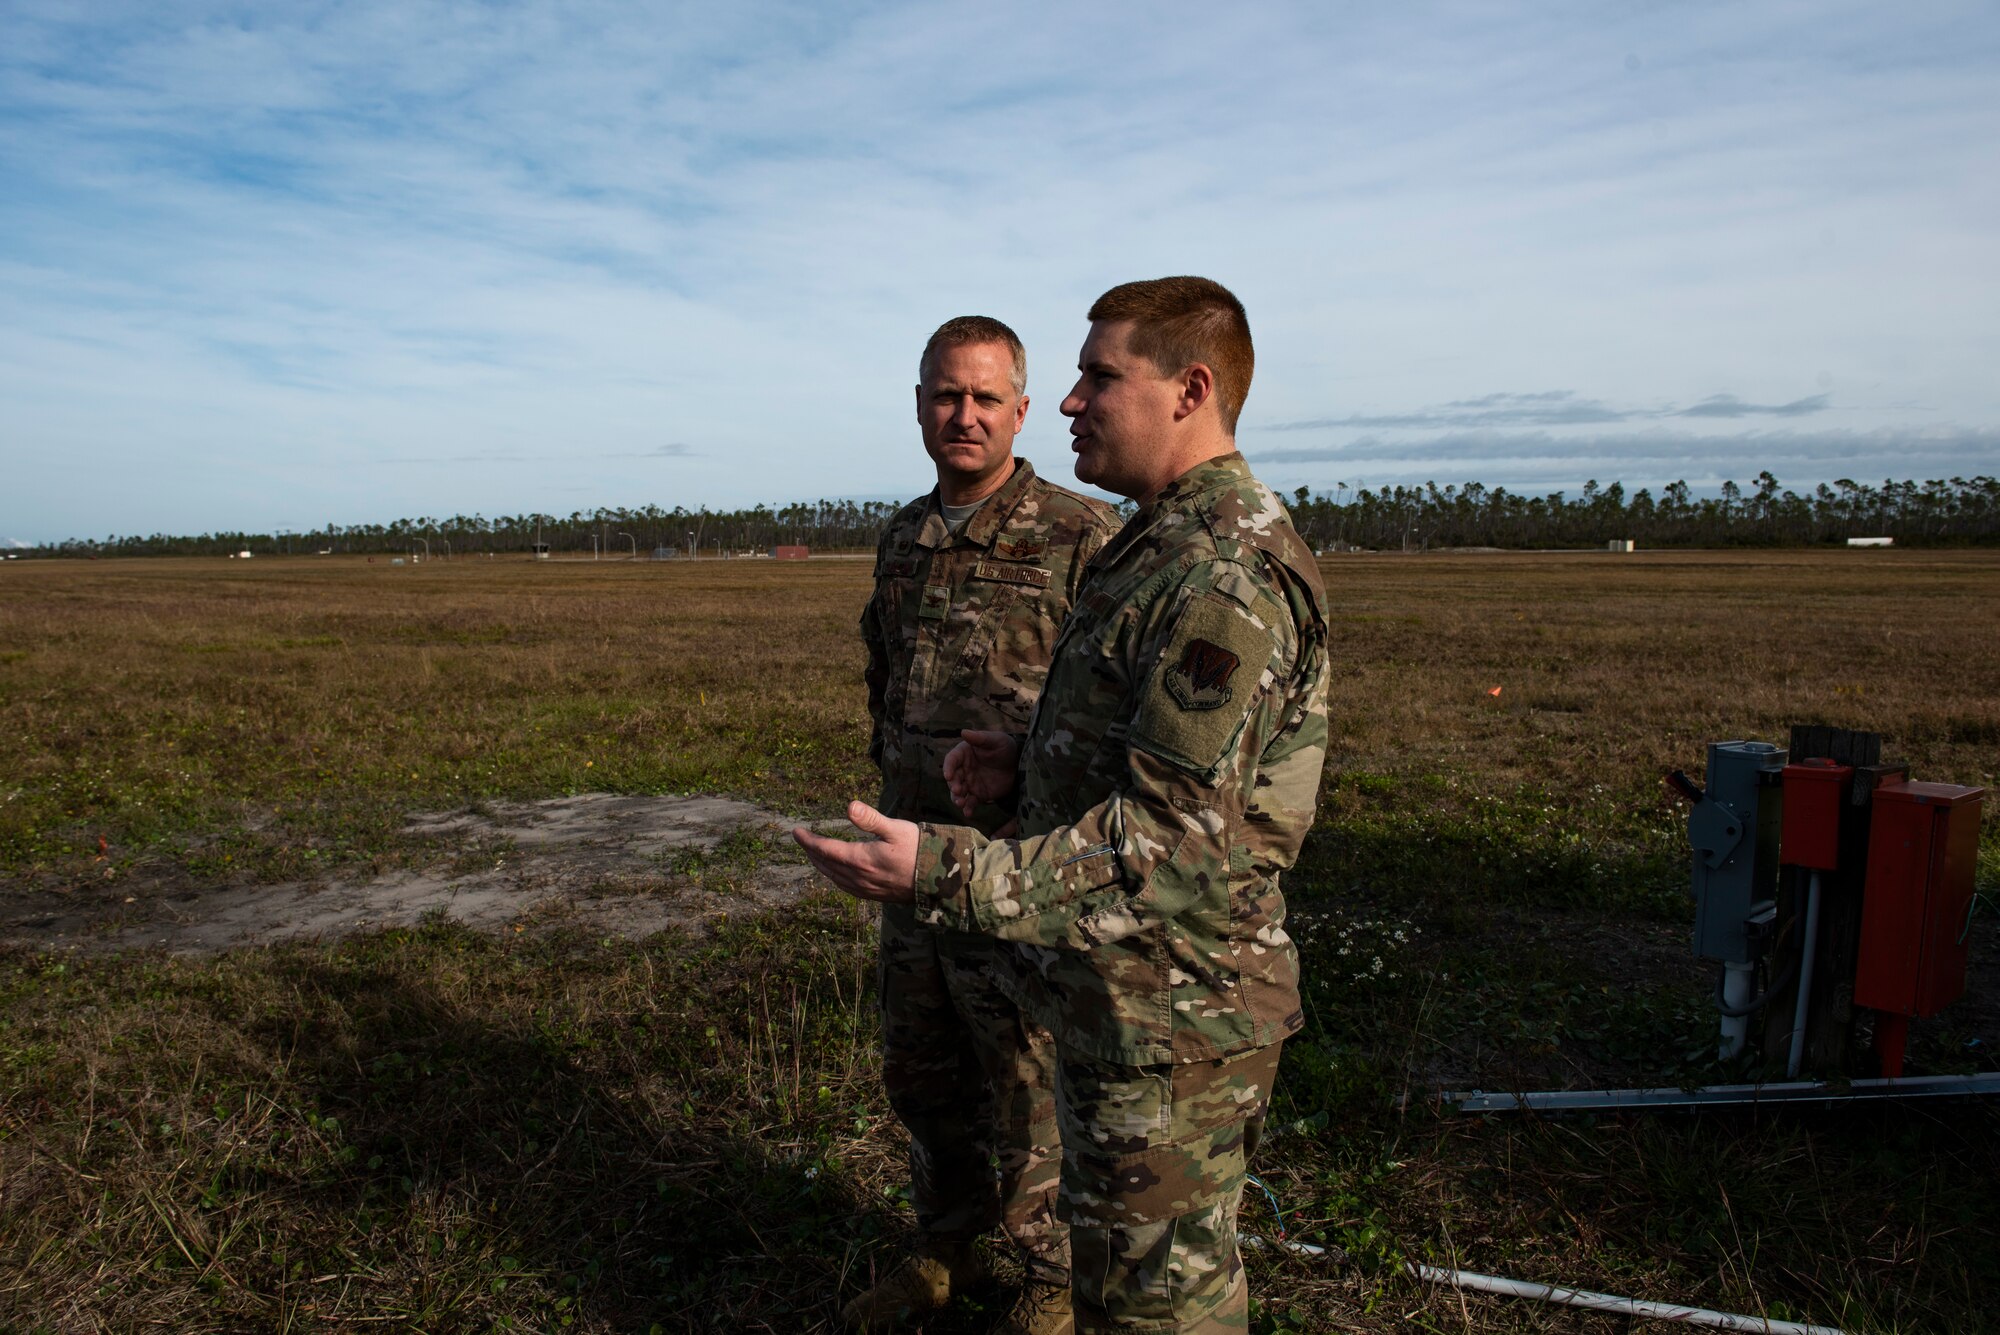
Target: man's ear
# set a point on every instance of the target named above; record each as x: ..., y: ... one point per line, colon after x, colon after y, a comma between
x: 1197, y: 388
x: 920, y: 403
x: 1020, y: 414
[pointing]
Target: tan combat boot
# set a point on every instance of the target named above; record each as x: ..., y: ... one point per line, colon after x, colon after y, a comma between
x: 1042, y: 1309
x: 918, y: 1287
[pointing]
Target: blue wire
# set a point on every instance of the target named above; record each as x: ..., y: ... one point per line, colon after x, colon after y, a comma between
x: 1272, y: 1197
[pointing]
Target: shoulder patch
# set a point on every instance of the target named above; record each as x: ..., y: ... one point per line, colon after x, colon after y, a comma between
x: 1205, y: 684
x: 1201, y: 679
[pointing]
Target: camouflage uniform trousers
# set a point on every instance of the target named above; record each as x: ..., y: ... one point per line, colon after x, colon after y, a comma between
x: 973, y: 1081
x: 1154, y: 1162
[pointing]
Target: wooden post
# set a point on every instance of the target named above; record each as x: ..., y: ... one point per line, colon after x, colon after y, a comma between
x: 1830, y: 1048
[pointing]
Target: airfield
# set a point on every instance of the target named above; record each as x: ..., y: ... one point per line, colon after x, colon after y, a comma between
x: 422, y: 945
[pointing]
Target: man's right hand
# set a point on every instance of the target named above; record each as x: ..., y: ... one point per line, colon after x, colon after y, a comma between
x: 980, y: 768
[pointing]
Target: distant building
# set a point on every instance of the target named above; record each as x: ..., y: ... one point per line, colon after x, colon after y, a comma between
x: 1620, y: 545
x: 1871, y: 542
x: 790, y: 553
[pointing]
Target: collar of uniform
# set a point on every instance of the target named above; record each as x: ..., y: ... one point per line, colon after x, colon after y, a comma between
x: 1225, y: 470
x: 1210, y: 475
x: 986, y: 520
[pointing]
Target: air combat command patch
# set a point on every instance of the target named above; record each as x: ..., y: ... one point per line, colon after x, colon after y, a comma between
x: 1201, y: 679
x: 1200, y: 694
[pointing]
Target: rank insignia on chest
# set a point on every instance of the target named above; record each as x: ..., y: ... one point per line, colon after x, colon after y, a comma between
x: 1020, y: 549
x: 936, y: 603
x: 1201, y: 679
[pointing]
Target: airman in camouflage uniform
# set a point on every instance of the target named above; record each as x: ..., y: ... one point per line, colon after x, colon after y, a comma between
x: 959, y: 633
x: 1168, y: 777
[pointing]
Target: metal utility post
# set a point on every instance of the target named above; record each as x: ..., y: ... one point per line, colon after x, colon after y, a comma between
x: 635, y: 544
x: 1826, y: 1021
x: 593, y: 546
x: 1734, y: 828
x: 427, y: 548
x: 1815, y: 791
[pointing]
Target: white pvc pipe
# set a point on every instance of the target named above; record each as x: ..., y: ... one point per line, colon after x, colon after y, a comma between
x: 1739, y: 980
x: 1604, y: 1302
x: 1797, y: 1057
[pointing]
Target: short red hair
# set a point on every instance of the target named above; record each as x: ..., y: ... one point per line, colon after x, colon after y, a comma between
x: 1177, y: 322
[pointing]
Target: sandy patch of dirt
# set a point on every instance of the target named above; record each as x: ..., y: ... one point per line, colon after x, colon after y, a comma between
x: 611, y: 864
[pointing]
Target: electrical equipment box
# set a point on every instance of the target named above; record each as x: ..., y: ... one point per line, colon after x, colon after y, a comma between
x: 1815, y: 791
x: 1734, y: 828
x: 1923, y: 848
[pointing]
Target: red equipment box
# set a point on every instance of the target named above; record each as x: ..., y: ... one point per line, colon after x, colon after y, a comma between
x: 1923, y: 846
x: 1815, y: 791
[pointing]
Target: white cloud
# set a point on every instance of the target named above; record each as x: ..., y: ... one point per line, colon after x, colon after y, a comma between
x: 1546, y: 460
x: 252, y: 255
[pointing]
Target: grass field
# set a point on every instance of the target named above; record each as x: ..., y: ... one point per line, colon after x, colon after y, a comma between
x: 458, y: 1132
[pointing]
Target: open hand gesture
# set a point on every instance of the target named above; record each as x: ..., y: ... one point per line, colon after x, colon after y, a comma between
x: 883, y: 869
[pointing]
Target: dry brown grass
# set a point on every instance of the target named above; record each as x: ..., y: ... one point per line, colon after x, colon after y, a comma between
x: 197, y: 715
x: 152, y: 703
x: 437, y: 1130
x: 1615, y: 668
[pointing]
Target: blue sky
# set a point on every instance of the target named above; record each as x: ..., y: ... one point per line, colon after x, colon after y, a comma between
x: 275, y: 266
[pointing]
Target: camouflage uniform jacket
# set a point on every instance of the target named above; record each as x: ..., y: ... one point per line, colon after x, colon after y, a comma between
x: 960, y: 629
x: 1169, y: 774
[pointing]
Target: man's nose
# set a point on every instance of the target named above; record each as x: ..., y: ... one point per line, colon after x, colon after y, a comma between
x: 1073, y: 406
x: 965, y: 412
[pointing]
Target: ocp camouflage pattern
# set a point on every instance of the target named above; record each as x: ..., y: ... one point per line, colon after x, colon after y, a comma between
x: 1154, y: 1162
x: 1168, y: 776
x: 959, y: 634
x: 960, y: 629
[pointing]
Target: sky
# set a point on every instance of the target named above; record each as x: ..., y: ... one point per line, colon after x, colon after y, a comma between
x: 269, y: 267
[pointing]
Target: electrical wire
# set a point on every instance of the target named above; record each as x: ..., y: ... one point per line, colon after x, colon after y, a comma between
x: 1755, y: 1004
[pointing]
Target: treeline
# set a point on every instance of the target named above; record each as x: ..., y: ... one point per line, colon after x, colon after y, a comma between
x: 1941, y: 512
x: 824, y: 525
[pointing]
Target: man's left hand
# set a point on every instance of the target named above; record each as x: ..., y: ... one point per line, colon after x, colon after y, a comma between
x: 883, y: 869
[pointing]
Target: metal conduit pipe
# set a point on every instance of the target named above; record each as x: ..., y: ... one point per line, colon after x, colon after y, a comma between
x: 1807, y: 950
x: 1800, y: 1091
x: 1605, y: 1302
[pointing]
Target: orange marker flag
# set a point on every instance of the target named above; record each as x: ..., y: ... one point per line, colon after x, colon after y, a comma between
x: 1494, y: 691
